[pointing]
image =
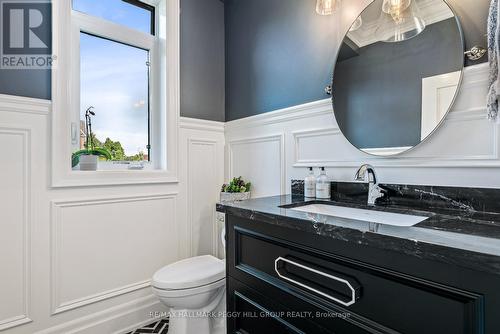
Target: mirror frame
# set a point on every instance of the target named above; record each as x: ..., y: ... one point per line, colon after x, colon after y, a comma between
x: 452, y: 104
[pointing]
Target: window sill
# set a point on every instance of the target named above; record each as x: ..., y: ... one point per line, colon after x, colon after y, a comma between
x: 106, y: 166
x: 77, y: 178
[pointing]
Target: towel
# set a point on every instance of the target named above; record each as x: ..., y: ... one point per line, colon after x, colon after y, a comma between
x: 494, y: 58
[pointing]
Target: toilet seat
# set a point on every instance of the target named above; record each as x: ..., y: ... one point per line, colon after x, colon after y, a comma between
x: 171, y: 293
x: 202, y: 272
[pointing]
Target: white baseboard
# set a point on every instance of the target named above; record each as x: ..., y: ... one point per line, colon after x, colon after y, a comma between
x: 118, y: 319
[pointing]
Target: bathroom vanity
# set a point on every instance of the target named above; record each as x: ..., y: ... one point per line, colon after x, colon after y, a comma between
x: 423, y: 260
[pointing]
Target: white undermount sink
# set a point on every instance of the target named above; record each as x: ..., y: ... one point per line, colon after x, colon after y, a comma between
x: 371, y: 216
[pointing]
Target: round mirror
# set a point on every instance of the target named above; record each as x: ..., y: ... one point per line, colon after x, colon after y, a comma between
x: 397, y: 74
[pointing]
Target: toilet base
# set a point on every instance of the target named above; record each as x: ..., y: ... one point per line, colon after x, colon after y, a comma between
x: 199, y: 321
x: 180, y: 324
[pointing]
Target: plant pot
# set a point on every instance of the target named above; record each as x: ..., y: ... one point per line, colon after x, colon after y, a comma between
x: 88, y: 162
x: 232, y: 197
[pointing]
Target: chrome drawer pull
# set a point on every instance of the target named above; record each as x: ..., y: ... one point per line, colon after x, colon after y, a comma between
x: 338, y: 279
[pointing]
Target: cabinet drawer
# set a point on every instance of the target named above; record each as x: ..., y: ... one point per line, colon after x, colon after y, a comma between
x: 251, y: 312
x: 375, y: 299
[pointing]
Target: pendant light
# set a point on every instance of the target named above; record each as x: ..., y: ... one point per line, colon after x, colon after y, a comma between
x: 326, y: 7
x: 399, y: 21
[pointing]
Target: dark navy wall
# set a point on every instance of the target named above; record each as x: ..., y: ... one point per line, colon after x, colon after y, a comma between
x: 278, y: 52
x: 28, y: 83
x: 202, y: 59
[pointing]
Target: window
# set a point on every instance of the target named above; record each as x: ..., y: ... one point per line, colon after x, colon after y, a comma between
x: 114, y: 79
x: 117, y: 54
x: 122, y: 58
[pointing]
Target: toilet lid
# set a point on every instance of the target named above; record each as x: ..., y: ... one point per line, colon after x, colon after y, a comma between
x: 189, y: 273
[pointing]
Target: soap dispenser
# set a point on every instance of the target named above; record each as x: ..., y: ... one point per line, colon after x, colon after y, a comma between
x: 310, y: 184
x: 323, y: 185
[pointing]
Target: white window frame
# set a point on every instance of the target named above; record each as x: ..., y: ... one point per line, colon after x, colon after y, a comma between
x: 164, y: 93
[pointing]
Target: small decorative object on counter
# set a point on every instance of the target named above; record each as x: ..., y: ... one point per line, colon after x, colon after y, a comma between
x: 87, y: 157
x: 323, y: 185
x: 310, y: 184
x: 236, y: 190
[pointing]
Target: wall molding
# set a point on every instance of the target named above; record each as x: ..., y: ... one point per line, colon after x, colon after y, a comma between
x: 77, y: 303
x: 310, y: 133
x: 25, y: 134
x: 112, y: 318
x: 190, y: 190
x: 280, y: 138
x: 404, y: 161
x: 26, y: 105
x: 311, y: 109
x: 201, y: 125
x: 57, y: 306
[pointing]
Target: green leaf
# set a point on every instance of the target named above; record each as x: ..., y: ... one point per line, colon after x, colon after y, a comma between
x: 237, y: 185
x: 99, y: 151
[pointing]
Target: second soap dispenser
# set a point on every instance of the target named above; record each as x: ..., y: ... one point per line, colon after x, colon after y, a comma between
x: 310, y: 184
x: 323, y: 185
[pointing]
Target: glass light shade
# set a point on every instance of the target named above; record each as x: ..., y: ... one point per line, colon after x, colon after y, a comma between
x: 392, y: 6
x: 400, y: 25
x: 326, y: 7
x: 357, y: 24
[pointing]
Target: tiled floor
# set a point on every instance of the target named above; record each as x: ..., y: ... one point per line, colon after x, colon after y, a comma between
x: 159, y: 327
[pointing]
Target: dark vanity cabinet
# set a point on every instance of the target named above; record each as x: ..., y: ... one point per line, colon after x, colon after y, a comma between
x: 283, y: 280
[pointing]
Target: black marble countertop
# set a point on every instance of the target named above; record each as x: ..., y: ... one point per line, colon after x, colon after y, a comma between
x: 465, y: 238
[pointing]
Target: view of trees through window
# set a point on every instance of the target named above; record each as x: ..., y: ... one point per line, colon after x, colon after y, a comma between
x: 115, y: 148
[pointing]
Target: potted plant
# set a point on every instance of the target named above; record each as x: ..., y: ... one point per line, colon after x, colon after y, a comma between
x: 87, y: 158
x: 236, y: 190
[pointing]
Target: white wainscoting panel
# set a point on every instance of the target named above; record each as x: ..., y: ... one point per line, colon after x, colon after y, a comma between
x: 464, y: 151
x: 202, y: 178
x: 259, y: 158
x: 201, y: 175
x: 306, y: 143
x: 102, y: 248
x: 15, y: 227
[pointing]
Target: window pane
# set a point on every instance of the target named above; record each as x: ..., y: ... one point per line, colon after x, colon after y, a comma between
x: 132, y: 14
x: 114, y: 79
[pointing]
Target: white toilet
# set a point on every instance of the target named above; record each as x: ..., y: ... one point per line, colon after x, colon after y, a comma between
x: 194, y: 290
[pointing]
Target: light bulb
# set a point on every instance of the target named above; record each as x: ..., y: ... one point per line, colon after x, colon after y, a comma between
x: 326, y: 7
x: 396, y: 9
x: 400, y: 20
x: 357, y: 24
x: 392, y: 7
